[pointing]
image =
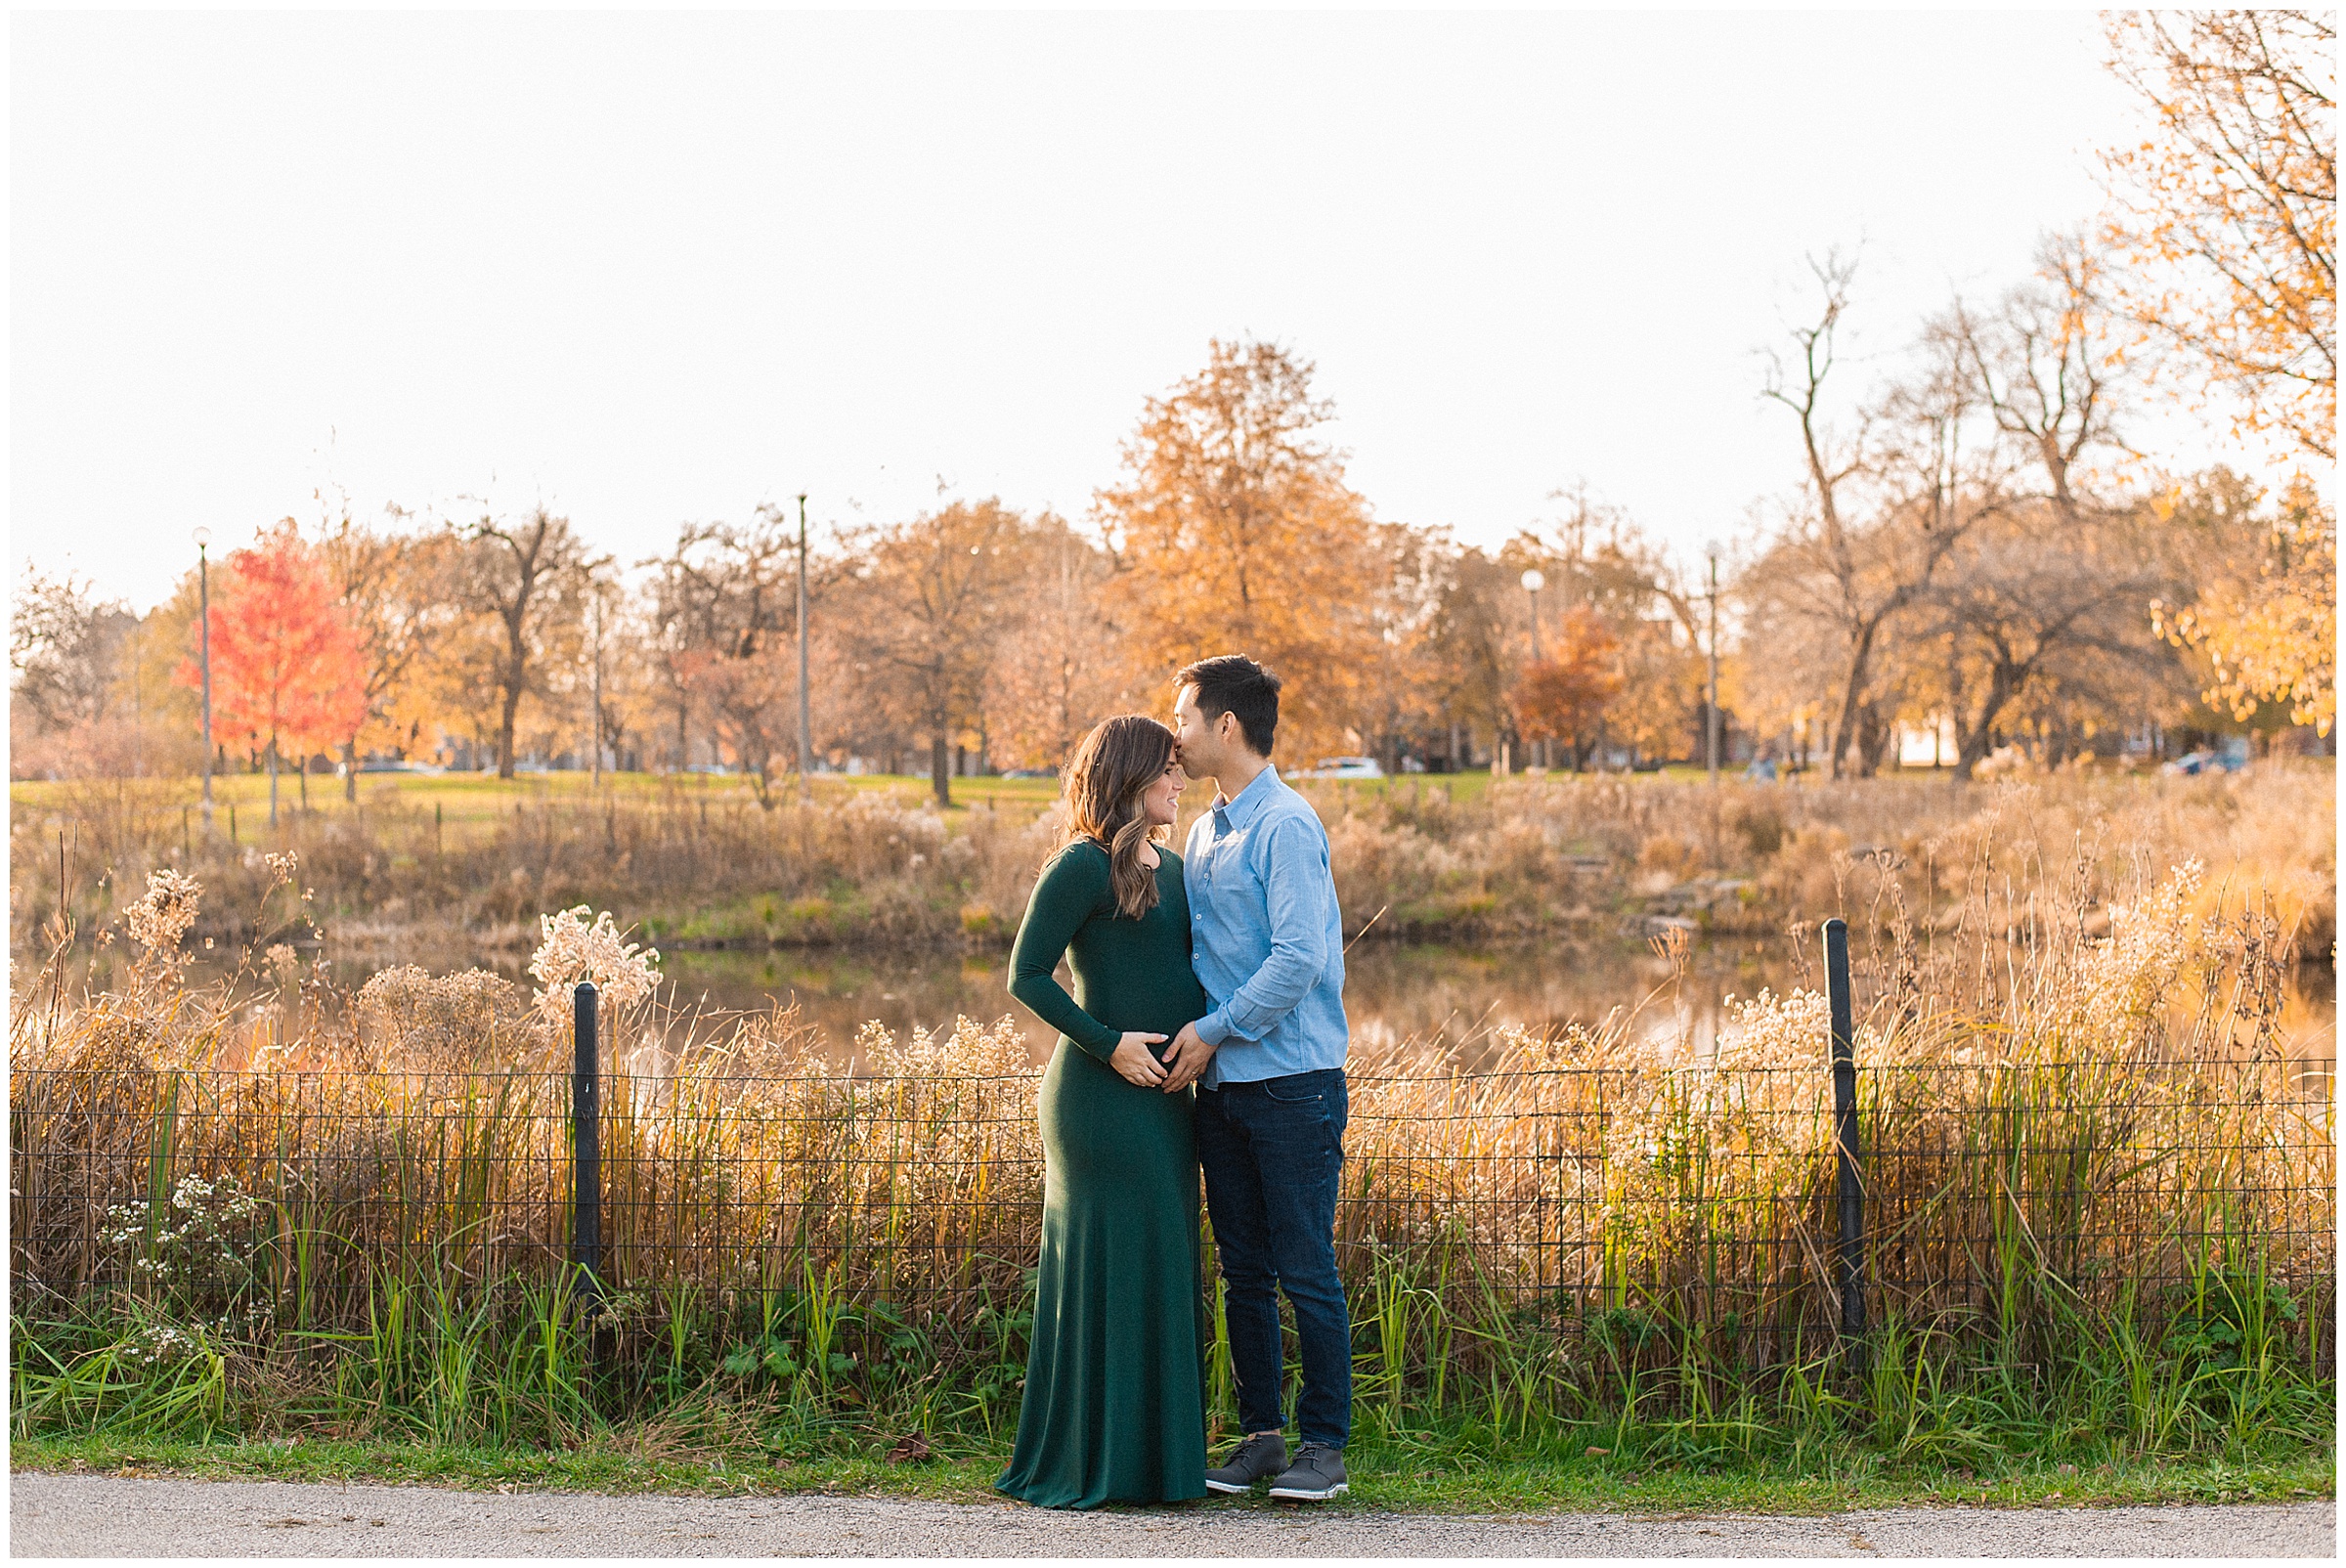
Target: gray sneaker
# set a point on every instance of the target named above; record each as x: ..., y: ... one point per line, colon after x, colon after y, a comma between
x: 1251, y: 1460
x: 1317, y: 1475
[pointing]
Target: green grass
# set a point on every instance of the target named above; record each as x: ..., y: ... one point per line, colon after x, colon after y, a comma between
x: 1424, y: 1477
x: 466, y: 800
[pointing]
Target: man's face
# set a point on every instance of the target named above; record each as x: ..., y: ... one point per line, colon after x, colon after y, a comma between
x: 1195, y: 741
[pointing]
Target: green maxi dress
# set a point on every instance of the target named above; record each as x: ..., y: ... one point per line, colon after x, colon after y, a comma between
x: 1114, y: 1405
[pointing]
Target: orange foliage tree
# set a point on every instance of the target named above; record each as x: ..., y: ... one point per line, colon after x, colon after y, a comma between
x: 287, y: 667
x: 2226, y: 213
x: 1564, y: 696
x: 1234, y: 532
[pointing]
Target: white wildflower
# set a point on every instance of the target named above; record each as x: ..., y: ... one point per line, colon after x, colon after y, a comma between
x: 160, y: 919
x: 570, y: 950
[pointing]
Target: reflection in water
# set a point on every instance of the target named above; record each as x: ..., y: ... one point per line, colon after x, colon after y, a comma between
x: 1392, y: 993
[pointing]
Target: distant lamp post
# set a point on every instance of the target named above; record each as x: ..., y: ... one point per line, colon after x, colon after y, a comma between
x: 596, y: 760
x: 1533, y: 582
x: 203, y: 580
x: 1711, y: 551
x: 805, y: 728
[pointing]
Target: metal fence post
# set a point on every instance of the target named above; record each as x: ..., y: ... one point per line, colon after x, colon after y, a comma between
x: 1850, y: 1254
x: 585, y: 1147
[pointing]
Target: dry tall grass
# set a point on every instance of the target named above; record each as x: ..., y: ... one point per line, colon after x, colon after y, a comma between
x: 2092, y: 1117
x: 1527, y: 856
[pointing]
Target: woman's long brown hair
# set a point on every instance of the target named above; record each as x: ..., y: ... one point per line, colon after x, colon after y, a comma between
x: 1112, y: 768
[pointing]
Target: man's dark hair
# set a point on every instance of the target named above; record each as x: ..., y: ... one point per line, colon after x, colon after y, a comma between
x: 1232, y: 683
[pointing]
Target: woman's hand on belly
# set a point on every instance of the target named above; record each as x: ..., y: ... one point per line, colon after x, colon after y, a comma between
x: 1133, y: 1061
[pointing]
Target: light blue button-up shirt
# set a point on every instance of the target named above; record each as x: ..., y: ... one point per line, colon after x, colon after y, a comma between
x: 1267, y: 940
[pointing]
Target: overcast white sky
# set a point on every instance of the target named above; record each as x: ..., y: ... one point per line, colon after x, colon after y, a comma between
x: 652, y: 269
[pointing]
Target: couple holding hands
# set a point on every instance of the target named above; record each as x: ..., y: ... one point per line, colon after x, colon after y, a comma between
x: 1206, y: 1031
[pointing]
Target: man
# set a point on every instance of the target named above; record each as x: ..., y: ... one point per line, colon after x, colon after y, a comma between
x: 1269, y: 1063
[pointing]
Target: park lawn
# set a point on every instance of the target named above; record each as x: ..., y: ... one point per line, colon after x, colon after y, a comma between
x: 466, y: 800
x: 1423, y: 1477
x: 469, y: 799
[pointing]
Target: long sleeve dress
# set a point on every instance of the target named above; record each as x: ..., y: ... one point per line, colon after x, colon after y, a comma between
x: 1114, y: 1405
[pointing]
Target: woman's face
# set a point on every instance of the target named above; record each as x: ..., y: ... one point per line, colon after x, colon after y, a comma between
x: 1161, y: 802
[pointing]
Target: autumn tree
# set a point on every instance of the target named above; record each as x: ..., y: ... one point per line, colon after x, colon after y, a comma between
x: 731, y: 595
x: 89, y: 689
x: 2265, y: 612
x: 1563, y: 697
x: 1054, y: 671
x: 924, y: 608
x: 1472, y: 642
x: 2226, y: 216
x: 527, y: 579
x: 286, y: 666
x: 1234, y: 532
x: 400, y: 591
x: 1597, y: 558
x: 2042, y: 365
x: 2226, y: 210
x: 65, y: 646
x: 2035, y: 607
x: 1885, y: 505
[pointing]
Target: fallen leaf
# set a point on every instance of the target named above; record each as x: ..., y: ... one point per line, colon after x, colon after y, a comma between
x: 911, y: 1448
x: 1598, y: 1453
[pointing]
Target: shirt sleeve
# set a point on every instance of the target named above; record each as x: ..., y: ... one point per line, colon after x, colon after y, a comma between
x: 1297, y: 886
x: 1065, y: 895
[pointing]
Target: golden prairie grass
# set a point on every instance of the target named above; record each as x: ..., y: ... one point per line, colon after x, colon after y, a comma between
x: 2074, y: 1099
x: 1521, y: 856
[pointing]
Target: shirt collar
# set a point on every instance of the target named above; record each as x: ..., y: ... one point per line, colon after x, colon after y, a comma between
x: 1238, y: 813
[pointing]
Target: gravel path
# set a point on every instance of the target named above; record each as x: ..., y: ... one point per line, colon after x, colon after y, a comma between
x: 107, y: 1516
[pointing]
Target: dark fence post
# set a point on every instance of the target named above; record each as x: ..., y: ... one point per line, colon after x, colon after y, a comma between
x: 1851, y: 1253
x: 586, y: 1147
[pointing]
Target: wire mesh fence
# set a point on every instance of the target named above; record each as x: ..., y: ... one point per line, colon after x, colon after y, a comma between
x: 1569, y: 1198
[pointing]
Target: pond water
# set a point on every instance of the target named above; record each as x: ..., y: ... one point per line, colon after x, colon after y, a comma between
x: 1393, y: 992
x: 1442, y: 996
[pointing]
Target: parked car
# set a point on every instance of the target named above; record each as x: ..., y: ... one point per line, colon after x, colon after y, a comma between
x: 2227, y: 758
x: 388, y: 764
x: 1032, y: 773
x: 1347, y: 767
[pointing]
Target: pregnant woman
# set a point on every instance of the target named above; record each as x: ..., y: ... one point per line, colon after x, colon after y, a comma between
x: 1114, y: 1409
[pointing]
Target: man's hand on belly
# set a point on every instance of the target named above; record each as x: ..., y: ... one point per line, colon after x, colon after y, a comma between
x: 1188, y: 1059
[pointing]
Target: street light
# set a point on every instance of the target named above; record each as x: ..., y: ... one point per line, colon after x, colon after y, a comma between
x: 1711, y: 549
x: 805, y: 729
x: 204, y: 578
x: 1533, y: 582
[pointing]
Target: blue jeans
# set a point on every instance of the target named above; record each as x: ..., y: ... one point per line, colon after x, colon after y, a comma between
x: 1274, y: 1152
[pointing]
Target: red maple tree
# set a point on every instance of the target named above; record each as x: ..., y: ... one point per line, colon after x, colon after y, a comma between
x: 286, y: 663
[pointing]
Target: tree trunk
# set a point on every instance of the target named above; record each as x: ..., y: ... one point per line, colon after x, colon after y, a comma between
x: 272, y: 781
x: 305, y: 781
x: 940, y: 760
x: 1842, y: 730
x: 1874, y: 737
x: 350, y: 771
x: 1974, y: 741
x: 504, y: 730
